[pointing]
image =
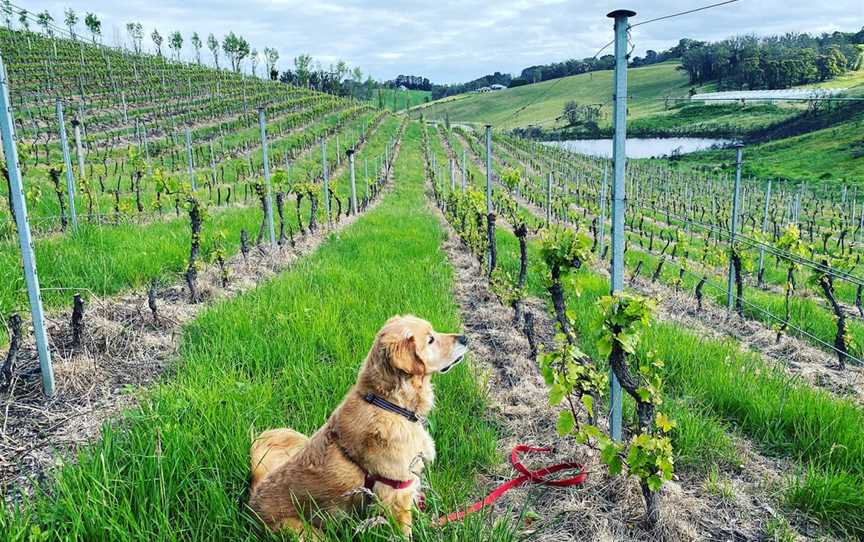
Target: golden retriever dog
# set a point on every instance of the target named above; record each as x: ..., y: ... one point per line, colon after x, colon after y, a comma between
x: 373, y: 443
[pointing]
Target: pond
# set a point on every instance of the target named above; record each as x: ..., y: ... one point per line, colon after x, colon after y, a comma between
x: 647, y: 147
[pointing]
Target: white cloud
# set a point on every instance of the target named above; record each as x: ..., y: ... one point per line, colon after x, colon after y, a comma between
x: 453, y: 40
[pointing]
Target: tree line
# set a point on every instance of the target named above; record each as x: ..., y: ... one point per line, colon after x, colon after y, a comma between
x: 773, y: 62
x: 740, y: 62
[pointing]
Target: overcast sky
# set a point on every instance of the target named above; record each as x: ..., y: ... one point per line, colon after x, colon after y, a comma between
x: 453, y: 41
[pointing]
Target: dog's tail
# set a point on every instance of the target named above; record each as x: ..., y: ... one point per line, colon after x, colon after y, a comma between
x: 271, y: 449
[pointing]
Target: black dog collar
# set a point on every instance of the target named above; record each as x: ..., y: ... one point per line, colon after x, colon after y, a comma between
x: 384, y: 404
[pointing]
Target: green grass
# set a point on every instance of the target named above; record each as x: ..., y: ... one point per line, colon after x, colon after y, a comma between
x: 541, y: 103
x: 833, y: 156
x: 104, y: 260
x: 177, y: 466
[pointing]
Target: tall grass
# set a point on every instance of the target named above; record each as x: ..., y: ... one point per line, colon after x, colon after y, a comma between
x: 176, y: 467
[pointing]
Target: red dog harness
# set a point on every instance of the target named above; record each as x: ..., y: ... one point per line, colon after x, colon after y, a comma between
x: 371, y: 479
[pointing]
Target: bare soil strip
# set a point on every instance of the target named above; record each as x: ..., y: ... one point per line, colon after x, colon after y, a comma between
x: 123, y: 349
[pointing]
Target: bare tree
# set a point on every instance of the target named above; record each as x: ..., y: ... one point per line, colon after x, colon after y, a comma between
x: 213, y: 45
x: 196, y: 44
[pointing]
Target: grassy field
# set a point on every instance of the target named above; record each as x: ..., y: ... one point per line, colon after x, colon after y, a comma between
x: 834, y: 155
x: 834, y: 152
x: 540, y: 104
x: 177, y: 467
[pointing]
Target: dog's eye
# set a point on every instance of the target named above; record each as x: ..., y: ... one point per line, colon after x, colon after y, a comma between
x: 430, y: 340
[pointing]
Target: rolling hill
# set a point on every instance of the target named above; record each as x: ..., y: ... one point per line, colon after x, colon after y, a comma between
x: 540, y: 104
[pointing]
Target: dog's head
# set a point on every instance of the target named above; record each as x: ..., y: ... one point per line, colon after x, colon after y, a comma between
x: 410, y: 345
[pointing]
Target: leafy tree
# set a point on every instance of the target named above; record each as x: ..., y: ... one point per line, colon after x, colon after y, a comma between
x: 236, y: 48
x: 196, y: 44
x: 45, y: 20
x: 302, y: 64
x: 157, y: 41
x: 831, y: 64
x: 577, y: 115
x: 175, y: 42
x: 213, y: 45
x: 71, y: 20
x: 94, y: 25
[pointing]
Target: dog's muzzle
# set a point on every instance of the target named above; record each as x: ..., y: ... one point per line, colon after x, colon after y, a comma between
x: 461, y: 350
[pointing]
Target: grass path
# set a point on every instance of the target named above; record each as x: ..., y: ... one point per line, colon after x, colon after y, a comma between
x: 176, y: 467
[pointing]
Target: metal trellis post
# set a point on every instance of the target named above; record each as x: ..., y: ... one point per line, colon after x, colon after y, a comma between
x: 189, y: 158
x: 326, y: 175
x: 549, y: 198
x: 730, y: 283
x: 602, y: 232
x: 764, y: 228
x: 79, y: 149
x: 67, y: 164
x: 452, y: 175
x: 350, y: 153
x: 464, y: 174
x: 489, y: 183
x: 619, y: 155
x: 268, y: 201
x: 16, y: 194
x: 366, y: 178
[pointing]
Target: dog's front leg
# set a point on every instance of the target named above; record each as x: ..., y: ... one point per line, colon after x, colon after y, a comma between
x: 402, y: 509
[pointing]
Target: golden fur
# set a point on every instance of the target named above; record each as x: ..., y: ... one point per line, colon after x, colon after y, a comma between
x: 294, y: 476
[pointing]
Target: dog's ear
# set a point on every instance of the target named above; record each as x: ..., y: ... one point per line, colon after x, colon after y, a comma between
x: 402, y: 351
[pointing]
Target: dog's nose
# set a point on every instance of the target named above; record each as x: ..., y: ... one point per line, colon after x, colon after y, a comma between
x: 462, y: 339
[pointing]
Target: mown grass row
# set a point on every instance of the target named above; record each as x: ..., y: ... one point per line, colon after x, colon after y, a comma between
x: 105, y: 260
x: 284, y: 354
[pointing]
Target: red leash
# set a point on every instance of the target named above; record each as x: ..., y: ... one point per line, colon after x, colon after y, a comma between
x: 536, y: 477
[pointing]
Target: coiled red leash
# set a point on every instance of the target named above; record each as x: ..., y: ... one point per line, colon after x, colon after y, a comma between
x: 533, y: 476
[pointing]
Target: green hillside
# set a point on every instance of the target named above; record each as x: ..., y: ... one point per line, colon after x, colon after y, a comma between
x: 540, y: 104
x: 650, y: 113
x: 833, y: 155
